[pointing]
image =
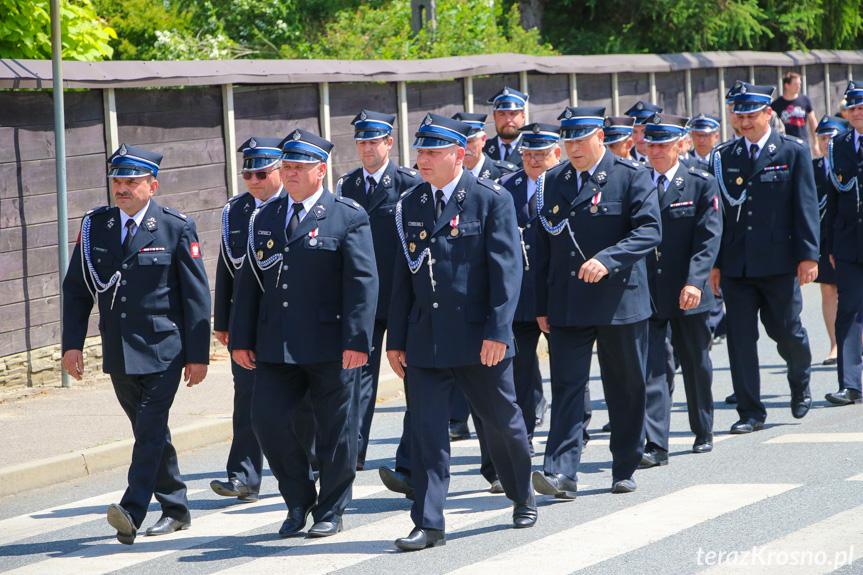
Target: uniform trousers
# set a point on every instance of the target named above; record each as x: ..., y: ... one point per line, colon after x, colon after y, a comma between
x: 716, y: 320
x: 368, y: 388
x: 279, y: 392
x: 622, y: 352
x: 146, y: 399
x: 779, y: 301
x: 849, y: 324
x: 245, y: 459
x: 491, y: 393
x: 691, y: 337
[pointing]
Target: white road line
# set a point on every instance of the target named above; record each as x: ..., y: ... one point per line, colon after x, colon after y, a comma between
x: 856, y: 478
x: 814, y: 550
x: 61, y: 517
x: 107, y: 557
x: 625, y: 530
x: 372, y: 540
x: 817, y: 438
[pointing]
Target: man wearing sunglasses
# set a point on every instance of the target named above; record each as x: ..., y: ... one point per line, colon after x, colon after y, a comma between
x: 261, y: 161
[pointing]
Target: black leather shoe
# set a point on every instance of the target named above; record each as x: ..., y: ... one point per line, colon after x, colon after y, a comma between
x: 541, y: 408
x: 496, y: 487
x: 654, y: 457
x: 731, y: 399
x: 524, y: 514
x: 703, y: 444
x: 830, y: 361
x: 747, y: 426
x: 234, y: 488
x: 800, y: 404
x: 623, y: 485
x: 295, y: 521
x: 458, y: 430
x: 120, y: 520
x: 844, y: 397
x: 559, y: 485
x: 397, y: 481
x: 167, y: 525
x: 326, y: 528
x: 607, y: 427
x: 421, y: 538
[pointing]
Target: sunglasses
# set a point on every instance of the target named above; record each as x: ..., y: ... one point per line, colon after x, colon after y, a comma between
x: 260, y: 175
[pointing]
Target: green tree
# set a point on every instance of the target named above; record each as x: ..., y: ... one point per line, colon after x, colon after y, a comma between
x: 25, y: 30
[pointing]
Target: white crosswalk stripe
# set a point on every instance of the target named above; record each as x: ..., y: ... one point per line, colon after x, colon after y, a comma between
x: 816, y: 549
x: 817, y: 438
x: 375, y: 539
x: 107, y: 557
x: 631, y: 528
x: 856, y: 478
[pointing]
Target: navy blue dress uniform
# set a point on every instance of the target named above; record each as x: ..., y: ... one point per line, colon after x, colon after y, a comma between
x: 708, y: 124
x: 641, y: 111
x: 609, y: 213
x: 691, y: 233
x: 308, y: 296
x: 488, y: 168
x: 458, y: 287
x: 245, y: 459
x: 828, y: 126
x: 844, y: 224
x: 507, y: 99
x: 380, y: 204
x: 770, y: 226
x: 154, y: 309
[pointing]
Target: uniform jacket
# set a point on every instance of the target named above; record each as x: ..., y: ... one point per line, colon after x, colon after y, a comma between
x: 842, y: 221
x: 492, y: 148
x: 822, y: 186
x: 691, y: 233
x: 516, y: 185
x: 495, y: 169
x: 160, y: 319
x: 381, y: 207
x: 624, y: 228
x: 778, y: 225
x: 232, y: 255
x: 318, y: 297
x: 477, y: 272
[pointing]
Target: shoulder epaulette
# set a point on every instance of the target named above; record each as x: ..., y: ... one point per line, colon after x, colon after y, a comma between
x: 629, y: 163
x: 792, y: 139
x: 349, y: 202
x: 507, y: 177
x: 700, y: 173
x: 490, y: 184
x: 238, y: 198
x: 506, y: 166
x: 174, y: 213
x: 98, y: 210
x: 408, y: 172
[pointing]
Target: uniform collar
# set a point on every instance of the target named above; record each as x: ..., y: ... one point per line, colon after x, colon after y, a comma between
x: 669, y: 175
x: 308, y: 203
x: 477, y: 169
x: 449, y: 188
x: 596, y: 165
x: 762, y: 142
x: 379, y: 175
x: 139, y: 217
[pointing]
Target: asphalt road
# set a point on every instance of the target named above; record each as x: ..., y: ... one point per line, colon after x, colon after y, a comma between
x: 783, y: 500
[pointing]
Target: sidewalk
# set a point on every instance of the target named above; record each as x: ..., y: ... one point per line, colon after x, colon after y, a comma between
x: 51, y: 434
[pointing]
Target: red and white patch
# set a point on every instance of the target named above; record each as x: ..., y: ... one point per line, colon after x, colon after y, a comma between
x: 454, y: 222
x: 78, y: 241
x: 716, y: 203
x: 313, y: 233
x: 196, y: 250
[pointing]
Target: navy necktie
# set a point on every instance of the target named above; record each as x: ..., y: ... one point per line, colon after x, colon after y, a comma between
x: 294, y: 222
x: 130, y: 233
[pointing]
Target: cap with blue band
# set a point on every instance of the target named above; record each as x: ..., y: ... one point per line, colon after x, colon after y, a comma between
x: 831, y: 125
x: 854, y: 94
x: 369, y: 125
x: 704, y: 123
x: 642, y: 110
x: 260, y: 153
x: 617, y: 129
x: 664, y: 128
x: 441, y: 132
x: 132, y: 162
x: 733, y: 91
x: 539, y: 136
x: 580, y: 122
x: 751, y: 98
x: 304, y: 147
x: 475, y: 121
x: 509, y: 99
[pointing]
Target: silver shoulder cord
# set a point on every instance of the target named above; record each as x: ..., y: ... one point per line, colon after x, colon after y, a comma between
x: 413, y: 265
x: 233, y: 263
x: 250, y: 252
x: 839, y: 186
x: 553, y: 230
x: 87, y: 266
x: 717, y: 171
x: 339, y: 187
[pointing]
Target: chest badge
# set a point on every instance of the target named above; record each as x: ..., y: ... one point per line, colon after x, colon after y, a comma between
x: 387, y: 180
x: 485, y: 174
x: 593, y: 209
x: 413, y: 247
x: 260, y: 254
x: 601, y: 176
x: 454, y: 232
x: 269, y: 244
x: 110, y: 224
x: 555, y: 209
x: 424, y: 198
x: 567, y: 175
x: 359, y: 181
x: 151, y: 224
x: 771, y: 148
x: 739, y: 181
x: 839, y: 177
x: 423, y: 235
x: 518, y: 181
x: 678, y: 182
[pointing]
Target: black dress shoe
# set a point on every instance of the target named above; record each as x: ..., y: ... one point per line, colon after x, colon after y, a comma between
x: 120, y: 520
x: 830, y: 361
x: 326, y: 528
x: 703, y: 444
x: 295, y: 521
x: 653, y: 457
x: 559, y: 485
x: 607, y: 427
x: 541, y: 408
x: 845, y: 396
x: 397, y: 481
x: 496, y: 487
x: 234, y: 488
x: 167, y: 525
x: 524, y: 514
x: 731, y: 399
x: 421, y: 538
x: 623, y: 485
x: 800, y: 404
x: 717, y: 340
x: 458, y: 430
x: 747, y: 426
